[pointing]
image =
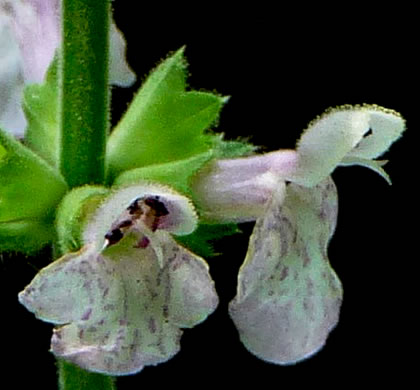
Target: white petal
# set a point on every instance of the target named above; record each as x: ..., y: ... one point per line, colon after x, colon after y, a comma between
x: 120, y: 311
x: 29, y: 37
x: 387, y: 126
x: 288, y: 296
x: 11, y: 80
x: 120, y: 72
x: 327, y: 141
x: 340, y: 135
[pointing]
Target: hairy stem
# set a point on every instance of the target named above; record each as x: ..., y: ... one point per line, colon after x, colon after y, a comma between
x: 84, y: 90
x: 72, y: 377
x: 84, y: 121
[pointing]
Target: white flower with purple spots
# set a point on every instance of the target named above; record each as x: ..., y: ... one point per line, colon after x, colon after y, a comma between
x: 288, y: 296
x: 119, y: 302
x: 119, y: 306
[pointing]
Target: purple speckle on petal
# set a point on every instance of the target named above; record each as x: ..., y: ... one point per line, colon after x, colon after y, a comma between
x: 152, y: 325
x: 143, y: 243
x: 165, y: 311
x: 105, y: 293
x: 284, y: 273
x: 86, y: 314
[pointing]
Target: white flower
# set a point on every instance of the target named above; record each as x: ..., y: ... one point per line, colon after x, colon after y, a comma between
x: 29, y: 36
x: 288, y: 296
x: 121, y: 306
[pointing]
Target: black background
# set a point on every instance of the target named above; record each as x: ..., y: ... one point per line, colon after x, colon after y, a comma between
x: 281, y: 67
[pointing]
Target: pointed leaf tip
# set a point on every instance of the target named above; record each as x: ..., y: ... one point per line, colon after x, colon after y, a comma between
x: 164, y: 122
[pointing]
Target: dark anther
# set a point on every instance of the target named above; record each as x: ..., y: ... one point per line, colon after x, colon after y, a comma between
x: 114, y: 236
x: 125, y: 223
x: 156, y: 205
x: 134, y: 206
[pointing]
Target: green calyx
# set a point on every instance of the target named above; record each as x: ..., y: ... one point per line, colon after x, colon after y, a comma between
x: 73, y: 214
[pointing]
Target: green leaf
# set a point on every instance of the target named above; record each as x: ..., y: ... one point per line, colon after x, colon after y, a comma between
x: 164, y: 122
x: 29, y: 187
x: 26, y: 236
x: 176, y: 174
x: 40, y: 104
x: 232, y: 149
x: 3, y: 152
x: 289, y: 297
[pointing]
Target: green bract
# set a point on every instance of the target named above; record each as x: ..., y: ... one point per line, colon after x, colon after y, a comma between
x: 177, y: 174
x: 164, y: 122
x: 29, y: 192
x: 29, y: 188
x: 40, y: 104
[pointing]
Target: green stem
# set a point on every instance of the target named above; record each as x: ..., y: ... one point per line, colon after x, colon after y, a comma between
x: 84, y: 111
x: 84, y: 90
x: 72, y: 377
